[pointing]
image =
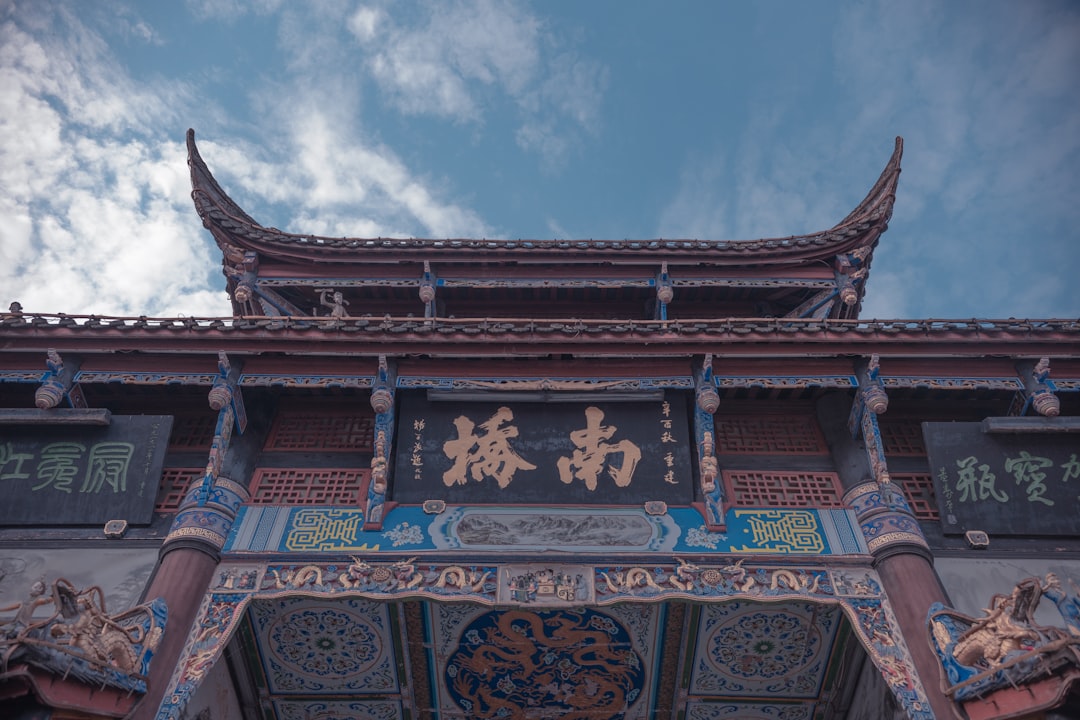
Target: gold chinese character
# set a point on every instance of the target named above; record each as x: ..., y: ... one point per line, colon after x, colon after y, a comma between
x: 1027, y: 470
x: 666, y: 408
x: 418, y: 425
x: 669, y: 459
x: 666, y: 437
x: 669, y: 477
x: 967, y: 481
x: 588, y: 460
x: 487, y: 454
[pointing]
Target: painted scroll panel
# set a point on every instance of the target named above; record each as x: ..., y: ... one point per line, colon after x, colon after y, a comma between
x: 781, y: 531
x: 549, y: 453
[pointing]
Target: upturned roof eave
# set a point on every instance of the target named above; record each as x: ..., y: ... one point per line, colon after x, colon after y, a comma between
x: 229, y: 224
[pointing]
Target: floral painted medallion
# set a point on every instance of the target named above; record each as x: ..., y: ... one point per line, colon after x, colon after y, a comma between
x: 759, y: 649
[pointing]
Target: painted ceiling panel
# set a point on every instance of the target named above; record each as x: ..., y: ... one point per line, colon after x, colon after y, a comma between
x: 572, y: 664
x: 313, y: 646
x: 764, y: 651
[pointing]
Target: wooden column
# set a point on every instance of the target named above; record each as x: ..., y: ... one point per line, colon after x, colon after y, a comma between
x: 191, y: 551
x: 902, y: 557
x: 181, y: 578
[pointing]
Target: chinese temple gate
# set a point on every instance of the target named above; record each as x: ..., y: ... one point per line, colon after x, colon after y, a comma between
x: 468, y: 478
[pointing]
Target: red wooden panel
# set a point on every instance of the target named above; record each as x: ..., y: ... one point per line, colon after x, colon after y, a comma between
x: 307, y: 486
x: 765, y: 488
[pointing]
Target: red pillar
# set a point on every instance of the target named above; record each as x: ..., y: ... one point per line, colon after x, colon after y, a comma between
x: 912, y: 586
x: 182, y: 577
x: 903, y: 562
x: 189, y: 557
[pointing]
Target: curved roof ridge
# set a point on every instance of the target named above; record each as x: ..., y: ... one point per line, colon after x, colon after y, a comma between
x: 883, y: 191
x: 203, y: 183
x: 861, y: 228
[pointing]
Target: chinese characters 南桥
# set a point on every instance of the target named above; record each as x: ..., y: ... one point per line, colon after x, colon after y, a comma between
x: 976, y: 481
x: 485, y: 450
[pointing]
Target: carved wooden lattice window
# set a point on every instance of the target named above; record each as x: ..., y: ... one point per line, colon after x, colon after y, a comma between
x: 902, y: 438
x: 758, y: 488
x: 175, y: 482
x: 193, y: 431
x: 918, y: 489
x: 340, y: 431
x: 788, y: 434
x: 307, y: 486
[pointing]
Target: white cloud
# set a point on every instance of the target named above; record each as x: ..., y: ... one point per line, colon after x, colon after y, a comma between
x: 456, y: 60
x: 364, y: 23
x: 985, y: 95
x: 95, y: 212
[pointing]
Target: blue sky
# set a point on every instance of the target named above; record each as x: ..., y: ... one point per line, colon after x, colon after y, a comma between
x: 729, y: 120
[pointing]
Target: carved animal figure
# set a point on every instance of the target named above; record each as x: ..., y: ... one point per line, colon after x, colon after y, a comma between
x: 1005, y: 628
x: 458, y: 577
x: 740, y: 578
x: 406, y: 574
x: 356, y: 574
x: 632, y: 579
x: 684, y: 575
x: 793, y: 581
x: 298, y: 578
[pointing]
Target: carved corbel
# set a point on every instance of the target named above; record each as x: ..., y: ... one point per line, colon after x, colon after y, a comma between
x: 59, y: 383
x: 226, y: 390
x: 382, y: 402
x: 1039, y: 389
x: 870, y: 401
x: 225, y: 397
x: 707, y: 402
x: 845, y: 286
x: 665, y: 292
x: 427, y: 291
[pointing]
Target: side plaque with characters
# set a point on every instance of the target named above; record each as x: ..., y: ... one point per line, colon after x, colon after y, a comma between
x: 530, y: 452
x: 1010, y: 484
x: 83, y: 475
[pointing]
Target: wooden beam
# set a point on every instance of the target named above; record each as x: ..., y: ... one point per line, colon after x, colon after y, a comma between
x: 56, y: 416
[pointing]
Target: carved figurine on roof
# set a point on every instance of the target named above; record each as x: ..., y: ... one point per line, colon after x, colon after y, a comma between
x: 79, y: 638
x: 274, y: 273
x: 1006, y: 653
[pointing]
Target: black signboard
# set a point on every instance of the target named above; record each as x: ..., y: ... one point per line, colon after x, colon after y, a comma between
x: 543, y: 452
x: 1009, y: 484
x: 78, y: 475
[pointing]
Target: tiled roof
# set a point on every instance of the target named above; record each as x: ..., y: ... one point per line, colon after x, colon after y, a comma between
x: 230, y: 224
